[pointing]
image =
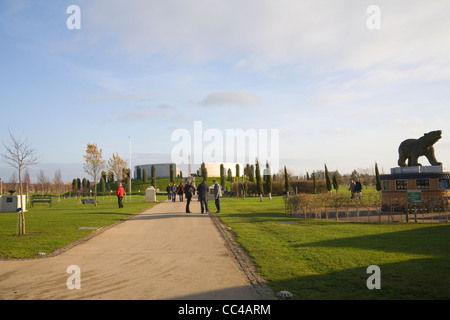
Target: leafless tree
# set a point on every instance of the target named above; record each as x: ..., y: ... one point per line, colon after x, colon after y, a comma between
x: 27, y: 181
x: 57, y: 180
x: 44, y: 181
x: 12, y: 183
x: 20, y: 155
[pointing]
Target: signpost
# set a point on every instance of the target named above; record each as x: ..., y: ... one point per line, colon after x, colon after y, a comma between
x: 414, y: 196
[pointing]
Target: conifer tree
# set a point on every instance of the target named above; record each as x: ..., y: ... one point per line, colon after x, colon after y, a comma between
x: 268, y: 181
x: 153, y: 176
x: 377, y: 178
x: 328, y: 179
x: 287, y: 185
x: 144, y: 175
x: 259, y: 186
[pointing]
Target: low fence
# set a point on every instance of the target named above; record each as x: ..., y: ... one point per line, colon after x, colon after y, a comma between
x: 367, y: 209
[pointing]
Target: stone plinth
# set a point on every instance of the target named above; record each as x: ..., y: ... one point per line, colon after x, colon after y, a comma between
x: 12, y: 203
x: 150, y: 194
x: 432, y: 181
x: 418, y: 169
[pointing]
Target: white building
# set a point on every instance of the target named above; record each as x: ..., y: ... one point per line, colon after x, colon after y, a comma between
x: 213, y: 169
x: 162, y: 170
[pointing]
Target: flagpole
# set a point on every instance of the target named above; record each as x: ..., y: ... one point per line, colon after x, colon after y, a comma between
x: 130, y: 166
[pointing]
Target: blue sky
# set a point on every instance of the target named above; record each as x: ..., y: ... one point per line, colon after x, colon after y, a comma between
x: 338, y: 93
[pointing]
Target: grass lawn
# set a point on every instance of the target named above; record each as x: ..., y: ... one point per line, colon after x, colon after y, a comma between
x: 48, y: 229
x: 319, y: 259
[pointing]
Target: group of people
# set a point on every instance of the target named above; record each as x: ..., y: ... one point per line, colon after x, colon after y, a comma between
x: 174, y: 190
x: 189, y: 191
x: 356, y: 189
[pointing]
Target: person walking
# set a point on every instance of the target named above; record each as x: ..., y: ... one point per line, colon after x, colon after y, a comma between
x: 120, y: 193
x: 169, y: 191
x: 189, y: 191
x: 352, y: 188
x: 358, y: 189
x: 217, y: 195
x: 180, y: 191
x: 202, y: 191
x: 174, y: 192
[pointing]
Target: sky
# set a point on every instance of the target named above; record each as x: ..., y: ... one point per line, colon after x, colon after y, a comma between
x: 343, y: 84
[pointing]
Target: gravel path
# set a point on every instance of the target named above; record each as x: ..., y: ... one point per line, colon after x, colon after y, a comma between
x: 161, y: 253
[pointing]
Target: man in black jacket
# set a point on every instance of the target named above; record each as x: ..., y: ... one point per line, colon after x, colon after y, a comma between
x: 358, y: 189
x: 203, y: 196
x: 189, y: 191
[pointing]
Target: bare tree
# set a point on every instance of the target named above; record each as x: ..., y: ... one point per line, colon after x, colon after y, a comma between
x: 43, y: 181
x: 20, y: 155
x: 94, y: 165
x: 12, y: 183
x: 59, y: 184
x: 27, y: 181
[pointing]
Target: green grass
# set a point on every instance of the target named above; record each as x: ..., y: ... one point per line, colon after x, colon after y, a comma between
x: 318, y: 259
x: 48, y: 229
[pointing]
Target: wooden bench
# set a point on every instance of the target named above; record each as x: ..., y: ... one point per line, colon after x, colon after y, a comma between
x: 84, y: 201
x: 38, y: 198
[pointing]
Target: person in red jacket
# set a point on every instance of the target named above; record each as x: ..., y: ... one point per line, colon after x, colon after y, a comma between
x: 120, y: 194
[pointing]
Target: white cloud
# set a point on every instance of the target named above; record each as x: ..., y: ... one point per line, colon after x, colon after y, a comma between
x: 230, y: 98
x: 326, y: 34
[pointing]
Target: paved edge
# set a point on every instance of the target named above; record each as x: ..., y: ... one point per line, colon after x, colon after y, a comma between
x: 243, y: 261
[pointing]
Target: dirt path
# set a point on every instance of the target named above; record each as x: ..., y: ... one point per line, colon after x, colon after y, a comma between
x: 162, y: 253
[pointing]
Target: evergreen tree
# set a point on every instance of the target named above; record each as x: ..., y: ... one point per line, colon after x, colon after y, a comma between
x: 314, y: 182
x: 247, y: 170
x: 268, y: 182
x: 251, y: 173
x: 84, y: 184
x: 237, y: 171
x: 111, y: 176
x: 144, y: 175
x: 336, y: 180
x: 230, y: 175
x: 259, y: 186
x: 377, y: 178
x: 138, y: 172
x: 204, y: 172
x: 104, y: 175
x: 222, y: 175
x: 102, y: 185
x: 328, y: 179
x: 172, y: 173
x: 354, y: 175
x: 287, y: 184
x: 154, y: 176
x: 74, y: 185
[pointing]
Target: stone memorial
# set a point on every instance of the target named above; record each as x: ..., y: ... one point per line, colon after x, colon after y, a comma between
x: 210, y: 196
x: 150, y: 194
x: 12, y: 203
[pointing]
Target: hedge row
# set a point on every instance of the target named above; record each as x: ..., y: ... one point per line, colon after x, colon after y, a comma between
x: 297, y: 186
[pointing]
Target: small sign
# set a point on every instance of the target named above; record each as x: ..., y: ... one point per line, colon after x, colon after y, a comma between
x: 414, y: 196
